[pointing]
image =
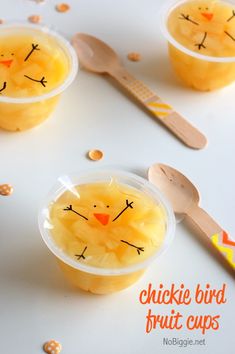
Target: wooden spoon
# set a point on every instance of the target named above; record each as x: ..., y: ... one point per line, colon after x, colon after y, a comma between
x: 98, y: 57
x: 185, y: 198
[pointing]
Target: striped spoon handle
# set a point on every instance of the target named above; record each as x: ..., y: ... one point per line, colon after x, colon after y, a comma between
x: 216, y: 235
x: 162, y: 111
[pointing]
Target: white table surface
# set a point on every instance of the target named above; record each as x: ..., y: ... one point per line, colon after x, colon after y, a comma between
x: 36, y: 303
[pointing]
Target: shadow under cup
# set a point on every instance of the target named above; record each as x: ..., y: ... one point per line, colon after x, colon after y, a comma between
x: 92, y: 278
x: 201, y: 72
x: 21, y: 113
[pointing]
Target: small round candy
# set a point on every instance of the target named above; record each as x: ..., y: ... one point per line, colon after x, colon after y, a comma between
x: 6, y: 189
x: 63, y: 7
x: 52, y: 347
x: 95, y: 155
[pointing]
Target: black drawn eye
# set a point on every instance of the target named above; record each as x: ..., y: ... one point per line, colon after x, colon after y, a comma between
x: 94, y: 206
x: 107, y: 206
x: 2, y: 55
x: 12, y: 53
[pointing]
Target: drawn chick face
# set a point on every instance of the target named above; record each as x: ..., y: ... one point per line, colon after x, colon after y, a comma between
x: 204, y: 26
x: 109, y: 225
x: 202, y: 10
x: 7, y: 61
x: 30, y: 64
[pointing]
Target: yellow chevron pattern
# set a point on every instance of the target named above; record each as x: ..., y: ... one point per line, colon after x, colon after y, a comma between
x: 160, y: 109
x: 227, y: 251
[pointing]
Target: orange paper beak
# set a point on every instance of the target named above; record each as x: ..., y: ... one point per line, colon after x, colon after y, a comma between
x: 207, y: 15
x: 102, y: 218
x: 6, y: 62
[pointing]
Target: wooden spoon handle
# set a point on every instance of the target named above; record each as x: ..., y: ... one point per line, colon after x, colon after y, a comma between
x: 186, y: 132
x: 217, y: 236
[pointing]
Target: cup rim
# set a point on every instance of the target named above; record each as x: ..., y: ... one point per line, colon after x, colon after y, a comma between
x: 70, y: 52
x: 166, y: 9
x: 56, y: 191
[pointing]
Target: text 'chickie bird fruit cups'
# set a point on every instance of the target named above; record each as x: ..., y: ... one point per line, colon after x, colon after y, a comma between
x: 36, y: 65
x: 201, y: 38
x: 105, y: 228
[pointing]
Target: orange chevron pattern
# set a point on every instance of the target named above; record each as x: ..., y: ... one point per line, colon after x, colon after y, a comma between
x: 225, y: 245
x: 226, y: 239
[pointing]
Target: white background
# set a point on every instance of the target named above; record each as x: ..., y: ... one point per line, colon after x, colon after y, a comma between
x: 36, y: 303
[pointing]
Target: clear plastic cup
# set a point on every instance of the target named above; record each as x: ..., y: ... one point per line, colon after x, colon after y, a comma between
x: 201, y: 72
x: 27, y: 111
x: 103, y: 280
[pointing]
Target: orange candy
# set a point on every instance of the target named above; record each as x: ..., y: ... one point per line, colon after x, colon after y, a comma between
x: 52, y: 347
x: 63, y: 7
x: 6, y: 189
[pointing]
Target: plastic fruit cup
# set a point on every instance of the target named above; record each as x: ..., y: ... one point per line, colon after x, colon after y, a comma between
x: 202, y: 72
x: 95, y: 279
x: 21, y: 113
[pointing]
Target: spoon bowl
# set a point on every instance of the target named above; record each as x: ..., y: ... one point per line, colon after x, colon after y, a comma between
x: 94, y: 54
x: 177, y: 188
x: 185, y: 198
